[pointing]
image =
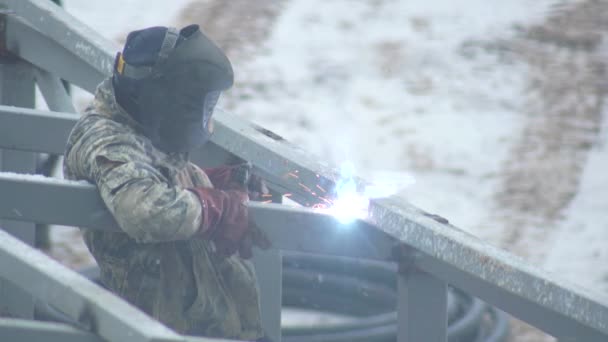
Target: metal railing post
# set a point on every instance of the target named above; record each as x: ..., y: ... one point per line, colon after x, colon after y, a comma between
x: 269, y: 271
x: 16, y: 89
x: 422, y: 305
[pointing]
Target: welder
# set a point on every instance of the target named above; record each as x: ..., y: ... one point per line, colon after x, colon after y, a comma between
x: 181, y: 255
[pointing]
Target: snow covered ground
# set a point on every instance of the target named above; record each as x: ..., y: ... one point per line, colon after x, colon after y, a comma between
x: 430, y: 89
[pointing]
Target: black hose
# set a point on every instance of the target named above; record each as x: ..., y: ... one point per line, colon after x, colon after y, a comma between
x: 467, y: 316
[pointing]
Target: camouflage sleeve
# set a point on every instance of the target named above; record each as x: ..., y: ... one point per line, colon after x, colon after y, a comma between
x: 141, y: 199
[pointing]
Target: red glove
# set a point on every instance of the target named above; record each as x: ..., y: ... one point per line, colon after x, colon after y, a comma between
x: 225, y: 218
x: 230, y: 177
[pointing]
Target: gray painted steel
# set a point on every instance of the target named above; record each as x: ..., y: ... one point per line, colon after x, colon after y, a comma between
x: 428, y: 231
x: 17, y: 89
x: 497, y: 277
x: 77, y: 297
x: 81, y: 56
x: 285, y: 166
x: 12, y: 329
x: 54, y: 201
x: 55, y: 95
x: 422, y: 308
x: 269, y: 271
x: 34, y: 130
x: 275, y: 160
x: 73, y: 51
x: 448, y: 253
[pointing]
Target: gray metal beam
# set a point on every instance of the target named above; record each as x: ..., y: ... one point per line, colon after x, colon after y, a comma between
x: 421, y: 308
x: 77, y: 297
x: 448, y: 253
x: 277, y: 161
x: 473, y: 263
x: 54, y: 201
x: 17, y: 89
x: 497, y: 277
x: 72, y: 50
x: 34, y: 130
x: 285, y: 166
x: 12, y: 329
x: 269, y: 271
x: 403, y: 220
x: 44, y: 131
x: 55, y: 95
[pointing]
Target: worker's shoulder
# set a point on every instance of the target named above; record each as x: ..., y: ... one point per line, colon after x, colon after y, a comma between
x: 93, y: 123
x: 96, y: 133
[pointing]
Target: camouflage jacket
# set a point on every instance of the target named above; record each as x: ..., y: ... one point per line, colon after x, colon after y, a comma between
x: 156, y: 263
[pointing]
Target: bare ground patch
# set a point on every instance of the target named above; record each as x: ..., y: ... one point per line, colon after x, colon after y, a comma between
x: 564, y: 114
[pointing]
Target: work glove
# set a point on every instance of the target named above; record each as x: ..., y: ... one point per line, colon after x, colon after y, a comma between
x: 254, y: 237
x: 225, y: 221
x: 238, y: 177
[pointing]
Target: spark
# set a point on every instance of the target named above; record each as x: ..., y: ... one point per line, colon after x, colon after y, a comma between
x: 267, y: 195
x: 305, y: 187
x: 291, y: 174
x: 268, y: 201
x: 326, y: 200
x: 287, y: 194
x: 321, y: 188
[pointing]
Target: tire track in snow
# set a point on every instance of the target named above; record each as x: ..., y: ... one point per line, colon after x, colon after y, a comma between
x: 239, y: 27
x: 565, y: 98
x: 564, y: 112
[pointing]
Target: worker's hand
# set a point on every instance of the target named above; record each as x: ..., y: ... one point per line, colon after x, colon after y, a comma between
x: 257, y: 188
x: 230, y: 177
x: 225, y: 218
x: 254, y: 237
x: 238, y: 177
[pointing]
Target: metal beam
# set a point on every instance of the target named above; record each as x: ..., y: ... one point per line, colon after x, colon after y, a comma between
x: 450, y: 254
x: 55, y: 95
x: 34, y: 130
x: 269, y: 272
x: 285, y: 166
x: 17, y: 89
x: 84, y: 58
x: 55, y: 201
x: 72, y: 50
x: 43, y: 131
x: 497, y: 277
x: 404, y: 220
x: 76, y: 296
x: 421, y: 308
x: 12, y: 329
x: 471, y: 263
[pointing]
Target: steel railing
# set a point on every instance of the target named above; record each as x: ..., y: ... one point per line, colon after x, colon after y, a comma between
x: 41, y: 43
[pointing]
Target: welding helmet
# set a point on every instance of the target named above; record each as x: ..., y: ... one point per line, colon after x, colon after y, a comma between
x: 170, y: 81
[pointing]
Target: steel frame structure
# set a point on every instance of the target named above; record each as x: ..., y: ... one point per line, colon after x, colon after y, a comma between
x: 40, y: 43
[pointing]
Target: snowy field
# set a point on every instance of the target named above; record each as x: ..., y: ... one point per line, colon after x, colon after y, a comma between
x: 453, y: 93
